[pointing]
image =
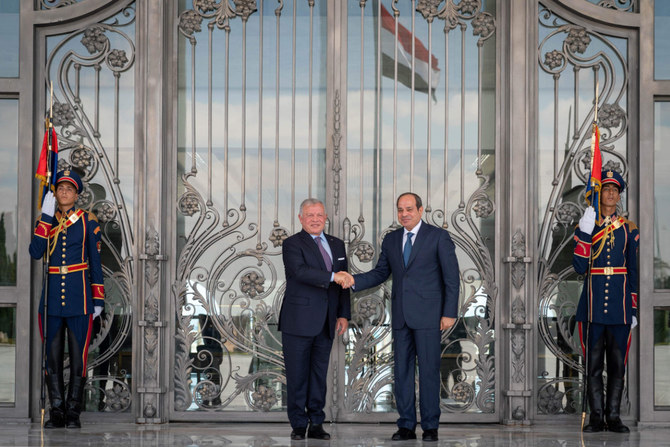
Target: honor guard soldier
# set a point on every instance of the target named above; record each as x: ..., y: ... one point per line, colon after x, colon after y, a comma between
x: 75, y: 293
x: 606, y: 254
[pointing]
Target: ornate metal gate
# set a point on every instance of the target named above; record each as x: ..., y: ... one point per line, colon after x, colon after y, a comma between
x: 267, y: 102
x: 91, y: 67
x: 276, y: 104
x: 575, y: 57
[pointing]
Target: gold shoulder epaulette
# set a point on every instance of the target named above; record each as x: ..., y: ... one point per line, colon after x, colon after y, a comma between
x: 92, y: 216
x: 630, y: 224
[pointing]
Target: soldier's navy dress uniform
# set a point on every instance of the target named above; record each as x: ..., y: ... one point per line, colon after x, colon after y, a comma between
x: 75, y: 287
x: 606, y: 308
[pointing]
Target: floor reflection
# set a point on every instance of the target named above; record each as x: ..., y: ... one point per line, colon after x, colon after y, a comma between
x: 349, y: 435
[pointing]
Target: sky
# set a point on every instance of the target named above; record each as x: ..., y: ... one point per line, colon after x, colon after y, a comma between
x: 9, y: 36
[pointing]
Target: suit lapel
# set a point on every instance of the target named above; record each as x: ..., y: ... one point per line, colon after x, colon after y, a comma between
x: 331, y: 243
x: 399, y: 245
x: 418, y: 242
x: 308, y: 240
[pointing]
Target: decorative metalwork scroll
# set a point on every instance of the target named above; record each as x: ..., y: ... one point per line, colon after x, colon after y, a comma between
x: 52, y: 4
x: 229, y: 285
x: 620, y: 5
x: 91, y: 70
x: 571, y: 58
x: 226, y: 309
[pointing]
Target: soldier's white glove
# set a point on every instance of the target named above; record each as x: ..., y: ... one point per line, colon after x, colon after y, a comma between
x: 632, y: 326
x: 49, y: 204
x: 588, y: 221
x: 97, y: 310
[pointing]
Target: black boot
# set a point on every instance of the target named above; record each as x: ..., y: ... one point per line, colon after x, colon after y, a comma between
x: 75, y: 393
x: 55, y: 387
x: 614, y: 392
x: 595, y: 396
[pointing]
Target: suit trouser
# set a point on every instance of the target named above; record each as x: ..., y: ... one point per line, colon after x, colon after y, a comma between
x: 408, y: 346
x: 306, y: 362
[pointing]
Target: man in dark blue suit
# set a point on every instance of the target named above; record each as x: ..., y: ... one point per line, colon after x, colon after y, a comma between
x: 314, y: 308
x: 422, y: 260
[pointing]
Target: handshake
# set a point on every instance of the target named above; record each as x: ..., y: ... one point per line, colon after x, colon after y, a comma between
x: 344, y: 279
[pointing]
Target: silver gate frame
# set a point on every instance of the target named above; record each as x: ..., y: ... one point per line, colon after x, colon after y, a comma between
x: 650, y: 90
x: 38, y: 25
x: 610, y: 22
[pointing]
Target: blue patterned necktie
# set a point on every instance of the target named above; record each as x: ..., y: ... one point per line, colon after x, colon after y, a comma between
x: 324, y: 253
x: 408, y: 248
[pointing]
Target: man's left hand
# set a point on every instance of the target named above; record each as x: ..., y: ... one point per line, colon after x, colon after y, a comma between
x: 97, y: 310
x: 446, y: 323
x: 632, y: 326
x: 341, y: 326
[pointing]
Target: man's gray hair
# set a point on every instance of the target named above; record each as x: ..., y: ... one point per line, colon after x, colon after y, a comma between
x: 309, y: 202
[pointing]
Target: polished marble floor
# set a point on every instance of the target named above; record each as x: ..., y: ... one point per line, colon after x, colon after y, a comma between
x: 349, y: 435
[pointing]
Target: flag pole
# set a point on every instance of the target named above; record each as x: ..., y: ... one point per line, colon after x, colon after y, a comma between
x: 586, y: 346
x: 45, y: 261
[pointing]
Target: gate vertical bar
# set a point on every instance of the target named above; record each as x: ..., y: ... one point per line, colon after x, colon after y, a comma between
x: 336, y: 144
x: 150, y: 377
x: 516, y: 230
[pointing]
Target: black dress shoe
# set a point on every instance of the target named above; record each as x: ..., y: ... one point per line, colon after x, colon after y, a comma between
x: 298, y: 434
x: 403, y: 434
x: 73, y: 423
x: 317, y: 432
x: 429, y: 435
x: 617, y: 426
x: 594, y: 427
x: 55, y: 422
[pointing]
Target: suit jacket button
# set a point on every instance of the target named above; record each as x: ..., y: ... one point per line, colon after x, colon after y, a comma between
x: 605, y: 310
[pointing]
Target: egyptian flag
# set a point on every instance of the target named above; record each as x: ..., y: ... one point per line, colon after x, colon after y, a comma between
x: 421, y: 65
x: 595, y: 176
x: 52, y: 159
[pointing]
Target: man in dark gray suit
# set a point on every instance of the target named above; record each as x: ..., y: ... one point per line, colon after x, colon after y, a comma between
x: 422, y: 260
x: 313, y: 310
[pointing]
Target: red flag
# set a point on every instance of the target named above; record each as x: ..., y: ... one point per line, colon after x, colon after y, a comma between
x: 47, y: 174
x: 592, y: 195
